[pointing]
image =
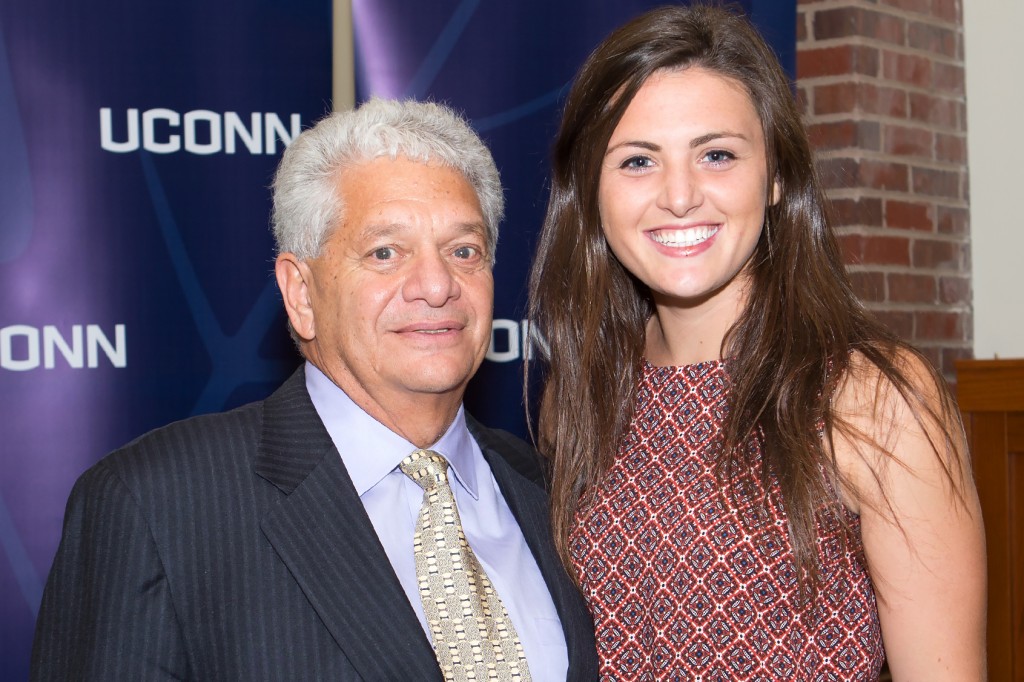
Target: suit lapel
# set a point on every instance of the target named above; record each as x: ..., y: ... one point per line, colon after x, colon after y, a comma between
x: 529, y: 505
x: 323, y: 535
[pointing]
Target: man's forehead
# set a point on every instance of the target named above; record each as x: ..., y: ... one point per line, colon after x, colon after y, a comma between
x: 392, y: 228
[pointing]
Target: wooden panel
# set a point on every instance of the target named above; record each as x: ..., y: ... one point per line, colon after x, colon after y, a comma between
x: 1016, y: 529
x: 1015, y: 432
x: 991, y: 396
x: 991, y: 465
x: 990, y: 385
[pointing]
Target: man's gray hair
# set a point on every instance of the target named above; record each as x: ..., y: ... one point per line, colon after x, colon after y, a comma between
x: 307, y: 204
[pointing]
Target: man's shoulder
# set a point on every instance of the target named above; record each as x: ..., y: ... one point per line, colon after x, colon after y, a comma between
x: 186, y: 443
x: 204, y: 428
x: 516, y: 452
x: 216, y: 441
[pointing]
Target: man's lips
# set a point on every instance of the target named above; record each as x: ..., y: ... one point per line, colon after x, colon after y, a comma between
x: 432, y: 327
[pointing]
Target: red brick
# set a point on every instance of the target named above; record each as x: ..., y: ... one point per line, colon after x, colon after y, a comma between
x: 832, y: 135
x: 953, y: 221
x: 841, y: 60
x: 936, y: 325
x: 909, y: 288
x: 932, y: 38
x: 885, y: 101
x: 879, y: 250
x: 869, y: 286
x: 861, y: 211
x: 852, y: 246
x: 839, y: 98
x: 935, y: 110
x: 925, y: 94
x: 907, y: 141
x: 937, y: 255
x: 842, y: 98
x: 937, y: 183
x: 883, y: 26
x: 900, y: 323
x: 837, y: 23
x: 911, y: 69
x: 909, y: 215
x: 948, y: 78
x: 953, y: 289
x: 847, y: 22
x: 883, y: 175
x: 946, y: 10
x: 951, y: 148
x: 842, y: 134
x: 801, y: 27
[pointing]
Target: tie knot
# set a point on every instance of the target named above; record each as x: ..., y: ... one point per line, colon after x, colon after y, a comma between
x: 427, y: 468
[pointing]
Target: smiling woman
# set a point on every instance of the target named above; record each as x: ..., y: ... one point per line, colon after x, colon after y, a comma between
x: 751, y: 477
x: 682, y: 198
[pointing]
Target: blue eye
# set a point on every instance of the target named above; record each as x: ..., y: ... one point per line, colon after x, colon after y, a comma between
x: 719, y: 156
x: 637, y: 163
x: 384, y: 253
x: 465, y: 252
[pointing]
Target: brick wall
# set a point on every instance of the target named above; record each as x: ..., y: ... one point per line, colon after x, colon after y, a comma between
x: 882, y: 86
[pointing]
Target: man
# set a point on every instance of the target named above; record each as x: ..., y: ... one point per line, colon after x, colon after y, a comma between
x: 291, y: 539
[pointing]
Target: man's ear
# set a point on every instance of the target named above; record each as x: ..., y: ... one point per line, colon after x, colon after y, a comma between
x: 293, y: 279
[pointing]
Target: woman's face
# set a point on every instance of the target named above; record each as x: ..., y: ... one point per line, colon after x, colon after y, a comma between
x: 684, y: 186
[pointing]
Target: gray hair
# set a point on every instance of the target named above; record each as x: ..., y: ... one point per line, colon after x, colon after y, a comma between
x: 307, y: 205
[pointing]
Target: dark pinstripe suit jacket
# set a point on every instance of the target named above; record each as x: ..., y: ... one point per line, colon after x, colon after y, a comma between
x: 234, y: 547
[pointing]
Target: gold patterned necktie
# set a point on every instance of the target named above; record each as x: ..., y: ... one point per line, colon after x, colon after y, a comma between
x: 474, y: 638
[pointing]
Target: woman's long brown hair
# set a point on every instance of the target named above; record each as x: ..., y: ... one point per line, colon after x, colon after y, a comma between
x: 793, y: 342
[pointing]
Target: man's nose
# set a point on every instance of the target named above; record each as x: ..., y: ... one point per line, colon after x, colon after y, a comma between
x: 431, y: 279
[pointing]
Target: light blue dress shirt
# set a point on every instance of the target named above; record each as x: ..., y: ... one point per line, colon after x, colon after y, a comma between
x: 371, y: 453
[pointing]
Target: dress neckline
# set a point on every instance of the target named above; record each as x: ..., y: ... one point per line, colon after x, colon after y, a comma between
x: 704, y: 364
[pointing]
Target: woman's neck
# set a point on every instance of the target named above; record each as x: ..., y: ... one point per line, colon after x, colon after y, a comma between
x: 680, y: 334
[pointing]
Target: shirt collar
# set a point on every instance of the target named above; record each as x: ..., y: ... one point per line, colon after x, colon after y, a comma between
x: 370, y: 450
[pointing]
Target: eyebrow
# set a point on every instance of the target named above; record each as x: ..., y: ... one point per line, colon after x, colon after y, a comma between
x: 476, y: 229
x: 694, y: 143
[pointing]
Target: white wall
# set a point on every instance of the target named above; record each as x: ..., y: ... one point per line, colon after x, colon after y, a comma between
x: 994, y: 53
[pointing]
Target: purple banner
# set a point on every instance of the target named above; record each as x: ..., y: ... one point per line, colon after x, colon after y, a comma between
x: 135, y: 253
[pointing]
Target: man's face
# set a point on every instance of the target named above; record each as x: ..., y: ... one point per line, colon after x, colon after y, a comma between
x: 401, y: 295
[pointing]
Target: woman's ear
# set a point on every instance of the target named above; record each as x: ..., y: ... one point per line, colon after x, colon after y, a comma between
x: 775, y: 192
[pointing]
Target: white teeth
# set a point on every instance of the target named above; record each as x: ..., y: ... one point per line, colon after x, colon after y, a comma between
x: 683, y: 238
x: 434, y: 331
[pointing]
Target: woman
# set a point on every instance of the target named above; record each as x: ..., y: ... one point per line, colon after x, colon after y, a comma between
x: 742, y: 458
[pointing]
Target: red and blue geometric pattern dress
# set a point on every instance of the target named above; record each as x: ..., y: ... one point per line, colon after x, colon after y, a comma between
x: 688, y: 582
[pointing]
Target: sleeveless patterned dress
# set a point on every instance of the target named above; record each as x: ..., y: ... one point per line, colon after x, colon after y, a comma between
x: 686, y: 582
